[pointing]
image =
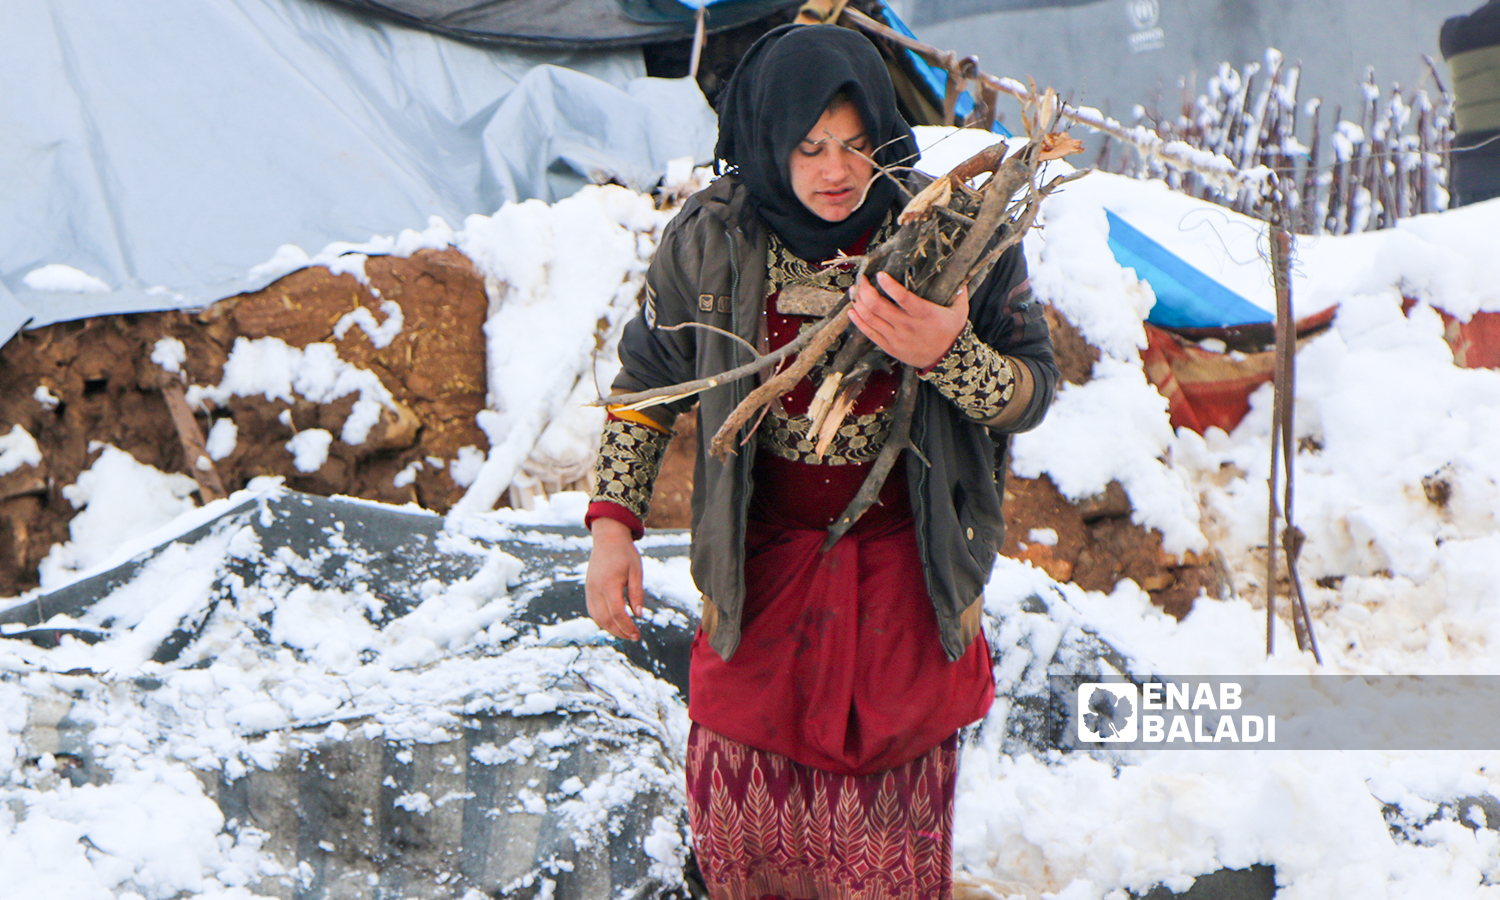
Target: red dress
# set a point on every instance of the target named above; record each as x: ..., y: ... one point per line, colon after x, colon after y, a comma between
x: 839, y: 666
x: 822, y: 758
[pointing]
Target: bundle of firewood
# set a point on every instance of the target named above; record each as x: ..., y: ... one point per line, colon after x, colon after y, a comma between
x: 951, y: 234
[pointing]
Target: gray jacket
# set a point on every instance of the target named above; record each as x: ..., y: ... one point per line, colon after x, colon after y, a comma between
x: 711, y: 268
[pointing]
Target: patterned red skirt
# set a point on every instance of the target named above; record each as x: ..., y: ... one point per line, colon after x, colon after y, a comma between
x: 767, y: 827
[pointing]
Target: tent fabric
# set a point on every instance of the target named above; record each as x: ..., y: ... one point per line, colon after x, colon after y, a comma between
x: 569, y: 23
x: 934, y: 12
x: 1185, y: 297
x: 1475, y: 341
x: 13, y: 316
x: 168, y: 148
x: 1205, y: 389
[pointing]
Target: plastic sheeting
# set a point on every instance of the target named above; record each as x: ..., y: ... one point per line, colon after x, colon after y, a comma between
x: 1185, y: 297
x: 572, y: 23
x: 167, y: 148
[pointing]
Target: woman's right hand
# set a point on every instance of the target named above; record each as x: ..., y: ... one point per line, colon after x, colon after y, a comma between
x: 613, y: 578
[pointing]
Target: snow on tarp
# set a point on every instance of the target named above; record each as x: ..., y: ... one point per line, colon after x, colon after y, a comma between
x: 164, y: 151
x: 371, y: 703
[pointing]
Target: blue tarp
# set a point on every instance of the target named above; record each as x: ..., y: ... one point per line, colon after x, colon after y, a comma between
x: 1185, y: 297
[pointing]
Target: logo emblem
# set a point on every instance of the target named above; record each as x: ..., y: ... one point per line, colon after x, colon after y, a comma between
x: 1108, y: 713
x: 1143, y: 14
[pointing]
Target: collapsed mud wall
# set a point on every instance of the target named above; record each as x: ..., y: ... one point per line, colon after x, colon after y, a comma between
x: 76, y: 385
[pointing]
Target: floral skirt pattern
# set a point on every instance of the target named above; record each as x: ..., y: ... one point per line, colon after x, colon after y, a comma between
x: 767, y: 827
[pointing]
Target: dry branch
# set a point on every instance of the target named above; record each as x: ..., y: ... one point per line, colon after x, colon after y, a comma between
x: 668, y: 393
x: 778, y: 384
x: 897, y: 440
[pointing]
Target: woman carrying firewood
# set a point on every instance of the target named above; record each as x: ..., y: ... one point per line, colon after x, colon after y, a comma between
x: 828, y: 684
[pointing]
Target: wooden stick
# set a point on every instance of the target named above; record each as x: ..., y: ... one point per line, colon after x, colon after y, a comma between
x: 823, y: 337
x: 668, y: 393
x: 1285, y: 388
x: 897, y: 440
x: 198, y: 463
x: 823, y: 401
x: 1007, y: 180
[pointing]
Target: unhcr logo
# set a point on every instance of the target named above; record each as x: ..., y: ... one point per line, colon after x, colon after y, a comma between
x: 1144, y: 16
x: 1174, y: 712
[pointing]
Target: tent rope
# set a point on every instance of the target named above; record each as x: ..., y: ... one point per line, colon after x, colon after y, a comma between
x: 1214, y: 168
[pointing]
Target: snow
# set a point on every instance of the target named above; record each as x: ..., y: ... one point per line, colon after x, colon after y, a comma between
x: 310, y: 449
x: 289, y: 257
x: 169, y: 353
x: 222, y: 438
x: 466, y: 466
x: 571, y: 271
x: 43, y: 395
x: 118, y: 498
x: 1397, y: 584
x: 380, y: 333
x: 58, y: 277
x: 271, y: 368
x: 17, y: 449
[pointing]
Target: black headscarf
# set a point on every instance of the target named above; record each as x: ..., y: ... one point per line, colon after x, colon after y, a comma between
x: 779, y: 90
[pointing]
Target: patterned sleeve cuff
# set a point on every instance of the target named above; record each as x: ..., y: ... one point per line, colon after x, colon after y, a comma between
x: 977, y: 379
x: 629, y: 459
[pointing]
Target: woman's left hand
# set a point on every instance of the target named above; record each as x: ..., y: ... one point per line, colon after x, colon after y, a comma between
x: 913, y: 330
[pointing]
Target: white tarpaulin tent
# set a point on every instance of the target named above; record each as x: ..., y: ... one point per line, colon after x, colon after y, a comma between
x: 153, y: 154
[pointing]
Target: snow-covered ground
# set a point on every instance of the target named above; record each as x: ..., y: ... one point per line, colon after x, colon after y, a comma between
x: 1397, y: 583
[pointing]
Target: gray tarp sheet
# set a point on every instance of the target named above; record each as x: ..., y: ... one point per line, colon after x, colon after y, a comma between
x: 168, y: 147
x: 555, y: 23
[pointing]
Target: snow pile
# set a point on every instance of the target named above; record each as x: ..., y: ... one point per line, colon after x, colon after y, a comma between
x: 118, y: 499
x: 18, y: 448
x: 286, y: 648
x: 571, y: 271
x: 1398, y: 484
x: 58, y: 277
x: 271, y: 368
x: 1398, y: 490
x: 1081, y: 827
